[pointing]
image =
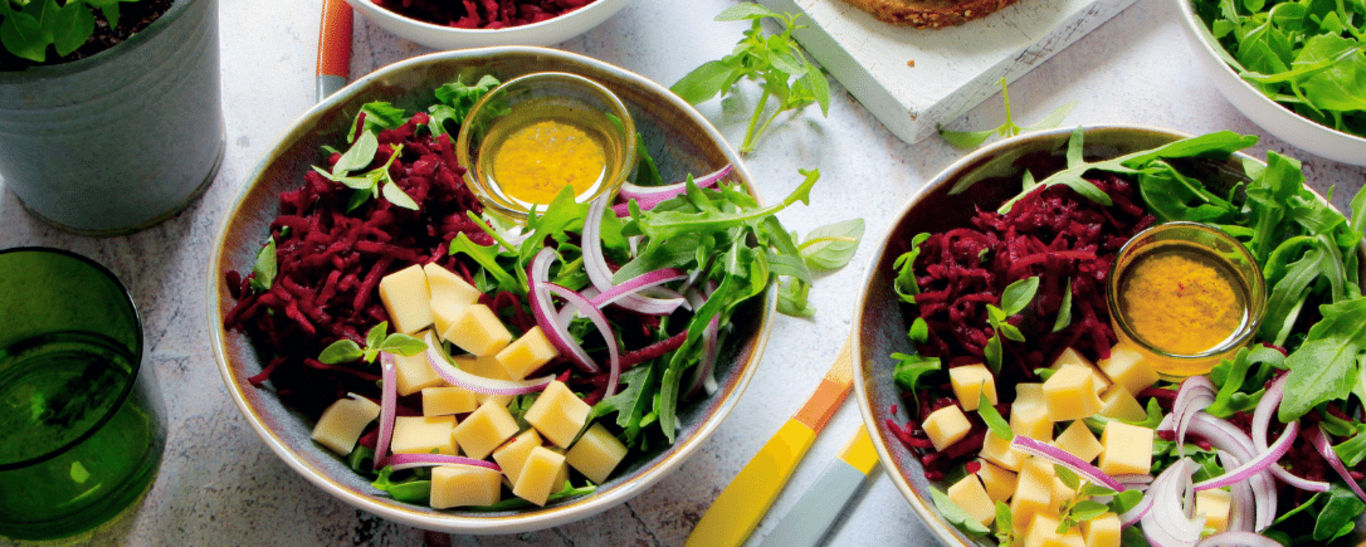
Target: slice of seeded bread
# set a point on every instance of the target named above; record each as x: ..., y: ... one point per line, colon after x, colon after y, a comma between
x: 929, y: 13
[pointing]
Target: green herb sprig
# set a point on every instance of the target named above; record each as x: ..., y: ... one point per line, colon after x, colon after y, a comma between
x: 376, y: 341
x: 29, y: 27
x: 1014, y: 300
x: 973, y: 139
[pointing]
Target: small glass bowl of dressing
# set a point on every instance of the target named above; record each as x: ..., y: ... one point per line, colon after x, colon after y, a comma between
x: 1185, y: 295
x: 532, y: 136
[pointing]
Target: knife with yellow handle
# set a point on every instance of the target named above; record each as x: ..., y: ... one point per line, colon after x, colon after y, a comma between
x: 808, y: 520
x: 735, y: 513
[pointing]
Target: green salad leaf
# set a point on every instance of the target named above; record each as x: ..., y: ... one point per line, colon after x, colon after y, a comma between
x: 973, y: 139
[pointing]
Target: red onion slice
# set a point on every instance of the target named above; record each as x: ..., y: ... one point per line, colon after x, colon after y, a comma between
x: 1243, y: 513
x: 1317, y: 438
x: 388, y: 405
x: 1167, y: 523
x: 632, y: 191
x: 556, y: 328
x: 599, y: 320
x: 1226, y: 436
x: 1065, y: 458
x: 1261, y: 423
x: 409, y: 461
x: 595, y: 265
x: 1197, y: 393
x: 479, y: 384
x: 1255, y: 465
x: 702, y: 377
x: 1133, y: 516
x: 638, y: 284
x: 1246, y: 539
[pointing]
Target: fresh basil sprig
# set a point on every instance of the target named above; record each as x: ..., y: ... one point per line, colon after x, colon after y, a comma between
x: 346, y: 351
x: 372, y: 183
x: 973, y: 139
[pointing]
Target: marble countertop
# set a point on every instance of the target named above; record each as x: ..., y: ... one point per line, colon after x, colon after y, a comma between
x: 219, y: 484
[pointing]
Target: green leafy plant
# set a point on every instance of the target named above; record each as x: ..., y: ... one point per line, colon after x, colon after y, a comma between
x: 973, y: 139
x: 1016, y: 297
x: 29, y: 27
x: 371, y: 183
x: 1080, y: 507
x: 346, y: 351
x: 776, y: 60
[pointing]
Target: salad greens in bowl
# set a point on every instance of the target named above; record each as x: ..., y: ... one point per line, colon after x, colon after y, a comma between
x: 984, y: 331
x: 648, y: 316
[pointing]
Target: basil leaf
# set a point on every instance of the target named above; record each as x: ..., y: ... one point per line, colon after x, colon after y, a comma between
x: 830, y: 247
x: 266, y: 267
x: 402, y: 344
x: 358, y: 157
x: 995, y: 422
x: 1019, y: 294
x: 341, y: 351
x: 956, y: 515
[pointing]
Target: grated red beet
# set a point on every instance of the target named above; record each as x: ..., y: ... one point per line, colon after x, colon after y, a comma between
x: 482, y: 14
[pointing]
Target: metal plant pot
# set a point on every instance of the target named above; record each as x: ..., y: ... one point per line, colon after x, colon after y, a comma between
x: 121, y: 140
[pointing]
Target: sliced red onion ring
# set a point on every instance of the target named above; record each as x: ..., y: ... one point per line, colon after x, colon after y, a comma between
x: 409, y: 461
x: 1261, y: 423
x: 702, y: 377
x: 1255, y: 465
x: 1226, y: 436
x: 557, y: 331
x: 599, y: 320
x: 638, y: 284
x: 1132, y: 516
x: 1197, y: 393
x: 1246, y: 539
x: 1243, y: 513
x: 388, y: 405
x: 1317, y: 438
x: 648, y: 197
x: 1167, y: 523
x: 479, y: 384
x: 1063, y: 457
x: 595, y: 264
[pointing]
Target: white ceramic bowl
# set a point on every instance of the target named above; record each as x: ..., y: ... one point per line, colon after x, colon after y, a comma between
x: 544, y: 33
x: 1274, y: 118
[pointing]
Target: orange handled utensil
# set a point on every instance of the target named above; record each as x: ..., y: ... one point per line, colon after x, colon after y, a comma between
x: 334, y: 47
x: 740, y: 507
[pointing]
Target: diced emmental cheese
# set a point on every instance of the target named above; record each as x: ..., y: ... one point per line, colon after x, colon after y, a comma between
x: 1127, y: 367
x: 1029, y: 393
x: 423, y: 435
x: 450, y: 294
x: 1078, y: 441
x: 464, y: 486
x: 1043, y: 532
x: 407, y: 298
x: 1127, y: 448
x: 412, y: 373
x: 969, y: 382
x: 486, y: 367
x: 484, y: 429
x: 596, y: 454
x: 343, y: 422
x: 998, y: 481
x: 1214, y: 504
x: 440, y: 401
x: 969, y: 495
x: 1116, y: 402
x: 1033, y: 491
x: 1031, y: 420
x: 1071, y: 356
x: 527, y: 354
x: 558, y: 414
x: 1000, y: 452
x: 514, y: 453
x: 946, y: 426
x: 539, y: 476
x: 1070, y: 393
x: 478, y: 331
x: 1102, y: 531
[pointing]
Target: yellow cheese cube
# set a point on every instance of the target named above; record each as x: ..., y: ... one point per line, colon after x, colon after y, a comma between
x: 1117, y: 403
x: 450, y: 294
x: 513, y: 453
x: 998, y: 451
x: 1032, y: 421
x: 596, y: 454
x: 969, y: 495
x: 477, y: 330
x: 407, y: 298
x: 1214, y: 504
x: 487, y: 367
x: 1033, y: 492
x: 465, y: 486
x: 969, y: 382
x: 1070, y: 356
x: 423, y: 435
x: 343, y: 422
x: 1078, y: 441
x: 485, y: 429
x: 539, y: 475
x: 412, y: 373
x: 558, y: 414
x: 527, y: 354
x: 1061, y: 493
x: 999, y: 482
x: 1070, y: 393
x: 1127, y: 448
x: 1029, y: 394
x: 1043, y: 532
x: 1102, y: 531
x: 1126, y: 367
x: 440, y: 401
x: 946, y: 426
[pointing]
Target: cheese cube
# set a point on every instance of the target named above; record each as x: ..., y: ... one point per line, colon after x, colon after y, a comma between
x: 969, y: 495
x: 1061, y: 493
x: 1117, y: 403
x: 486, y: 367
x: 412, y: 373
x: 407, y: 298
x: 1033, y: 492
x: 998, y: 451
x: 1032, y: 421
x: 1214, y: 504
x: 999, y: 482
x: 596, y: 454
x: 1028, y: 394
x: 971, y: 381
x: 946, y: 426
x: 485, y: 429
x: 1070, y: 356
x: 1070, y: 393
x: 539, y: 476
x: 1127, y: 367
x: 1043, y: 532
x: 450, y: 293
x: 558, y: 414
x: 1127, y: 448
x: 1102, y: 531
x: 440, y: 401
x: 477, y: 330
x: 464, y: 485
x: 512, y: 455
x: 529, y: 353
x: 423, y: 435
x: 1078, y: 441
x: 343, y: 422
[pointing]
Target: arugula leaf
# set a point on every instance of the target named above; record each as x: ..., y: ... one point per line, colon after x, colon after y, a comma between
x: 378, y: 115
x: 905, y: 285
x: 455, y: 101
x: 487, y: 258
x: 266, y: 267
x: 1325, y: 367
x: 909, y: 369
x: 1338, y: 517
x: 973, y: 139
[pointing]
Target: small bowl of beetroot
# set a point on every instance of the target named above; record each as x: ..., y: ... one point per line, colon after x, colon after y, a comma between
x: 443, y: 25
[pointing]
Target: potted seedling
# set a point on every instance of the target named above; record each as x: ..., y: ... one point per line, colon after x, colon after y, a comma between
x: 110, y: 116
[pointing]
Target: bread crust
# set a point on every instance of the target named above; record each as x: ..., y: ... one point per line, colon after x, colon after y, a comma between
x: 929, y: 13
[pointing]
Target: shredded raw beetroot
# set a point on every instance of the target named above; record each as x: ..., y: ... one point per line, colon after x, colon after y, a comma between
x: 482, y: 14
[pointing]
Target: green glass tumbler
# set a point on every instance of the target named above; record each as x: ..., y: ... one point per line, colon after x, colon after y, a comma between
x: 84, y: 421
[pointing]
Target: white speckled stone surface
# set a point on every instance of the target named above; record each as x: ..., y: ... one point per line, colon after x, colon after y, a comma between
x: 219, y: 485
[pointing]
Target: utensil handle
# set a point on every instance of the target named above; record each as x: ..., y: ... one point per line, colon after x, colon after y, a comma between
x: 735, y: 513
x: 810, y: 519
x: 334, y: 47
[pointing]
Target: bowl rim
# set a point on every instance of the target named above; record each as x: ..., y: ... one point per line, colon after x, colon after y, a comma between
x: 554, y: 515
x: 477, y: 32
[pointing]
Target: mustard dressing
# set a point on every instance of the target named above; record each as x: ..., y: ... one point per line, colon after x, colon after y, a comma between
x: 533, y: 163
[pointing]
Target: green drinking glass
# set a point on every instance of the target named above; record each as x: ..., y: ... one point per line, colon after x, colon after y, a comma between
x: 83, y: 421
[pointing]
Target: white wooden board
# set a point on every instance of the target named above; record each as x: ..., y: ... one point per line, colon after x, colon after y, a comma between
x: 954, y: 68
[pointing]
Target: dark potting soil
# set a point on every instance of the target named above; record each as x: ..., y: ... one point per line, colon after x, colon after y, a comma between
x: 133, y: 17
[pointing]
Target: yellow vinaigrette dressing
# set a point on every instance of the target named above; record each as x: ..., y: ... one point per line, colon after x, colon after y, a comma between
x: 532, y: 161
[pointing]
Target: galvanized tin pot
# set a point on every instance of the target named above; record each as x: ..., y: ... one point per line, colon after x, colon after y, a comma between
x: 123, y: 139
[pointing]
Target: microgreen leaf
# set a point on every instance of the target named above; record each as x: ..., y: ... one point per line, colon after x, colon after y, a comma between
x: 358, y: 157
x: 402, y: 344
x: 920, y: 331
x: 1019, y: 294
x: 341, y: 351
x: 830, y: 247
x: 995, y: 422
x: 906, y: 286
x: 266, y: 267
x: 956, y: 515
x: 973, y: 139
x: 396, y: 196
x: 909, y: 369
x: 1065, y: 309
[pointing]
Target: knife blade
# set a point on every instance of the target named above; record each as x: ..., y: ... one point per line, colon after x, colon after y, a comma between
x: 808, y: 520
